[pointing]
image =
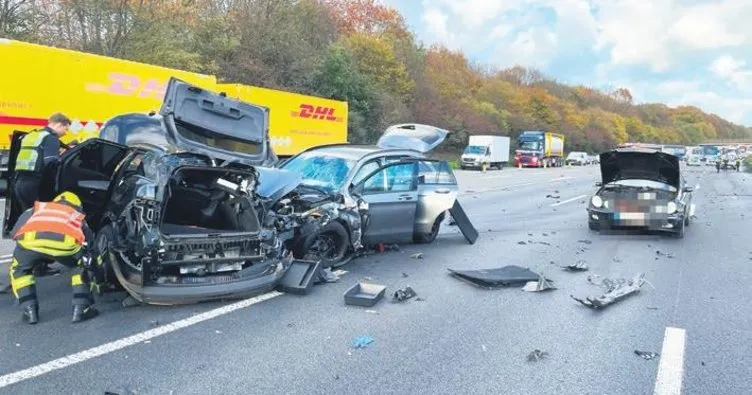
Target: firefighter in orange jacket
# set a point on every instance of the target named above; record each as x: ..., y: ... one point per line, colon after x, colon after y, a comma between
x: 48, y: 232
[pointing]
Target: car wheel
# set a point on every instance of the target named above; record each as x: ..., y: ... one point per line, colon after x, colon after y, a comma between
x: 427, y: 238
x: 330, y: 245
x: 680, y: 233
x: 593, y: 226
x: 102, y: 240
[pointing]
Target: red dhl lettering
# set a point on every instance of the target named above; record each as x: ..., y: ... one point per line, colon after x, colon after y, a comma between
x: 129, y: 85
x: 316, y: 112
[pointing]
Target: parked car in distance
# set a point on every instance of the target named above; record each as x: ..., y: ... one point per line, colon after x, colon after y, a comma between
x: 577, y: 158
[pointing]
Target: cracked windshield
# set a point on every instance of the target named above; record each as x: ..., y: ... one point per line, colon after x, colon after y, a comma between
x: 375, y: 197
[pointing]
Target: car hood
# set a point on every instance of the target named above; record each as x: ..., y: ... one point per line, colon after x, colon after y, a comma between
x: 198, y: 120
x: 633, y: 164
x: 274, y: 184
x: 412, y: 136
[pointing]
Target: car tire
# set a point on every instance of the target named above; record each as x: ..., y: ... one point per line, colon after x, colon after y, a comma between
x: 333, y: 238
x: 101, y: 241
x: 593, y: 226
x: 428, y: 238
x: 680, y: 233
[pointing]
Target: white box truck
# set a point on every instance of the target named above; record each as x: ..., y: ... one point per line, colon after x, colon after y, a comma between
x: 491, y: 150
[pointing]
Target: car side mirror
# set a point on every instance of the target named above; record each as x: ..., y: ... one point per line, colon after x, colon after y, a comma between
x: 599, y: 184
x: 688, y: 189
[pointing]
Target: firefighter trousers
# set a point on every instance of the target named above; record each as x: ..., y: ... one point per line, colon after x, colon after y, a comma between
x: 26, y: 190
x: 23, y: 283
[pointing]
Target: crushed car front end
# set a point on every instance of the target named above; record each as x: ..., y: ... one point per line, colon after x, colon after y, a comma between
x: 197, y: 232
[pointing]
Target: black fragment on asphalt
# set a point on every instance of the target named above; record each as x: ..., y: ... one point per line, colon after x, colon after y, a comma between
x: 536, y: 355
x: 648, y: 355
x: 498, y: 277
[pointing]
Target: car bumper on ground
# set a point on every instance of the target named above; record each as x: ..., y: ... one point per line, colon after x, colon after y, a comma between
x: 605, y: 220
x: 190, y: 293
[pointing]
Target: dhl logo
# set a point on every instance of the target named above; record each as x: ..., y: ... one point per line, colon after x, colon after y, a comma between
x: 130, y: 85
x: 316, y: 112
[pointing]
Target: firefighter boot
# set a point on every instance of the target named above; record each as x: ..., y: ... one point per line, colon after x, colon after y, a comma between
x: 30, y: 314
x: 83, y: 313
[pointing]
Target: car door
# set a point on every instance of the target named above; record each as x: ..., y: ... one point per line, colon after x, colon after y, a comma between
x: 87, y: 171
x: 437, y: 192
x: 12, y: 210
x: 392, y: 195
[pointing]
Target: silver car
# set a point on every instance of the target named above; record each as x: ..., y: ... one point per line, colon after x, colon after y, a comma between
x: 400, y: 195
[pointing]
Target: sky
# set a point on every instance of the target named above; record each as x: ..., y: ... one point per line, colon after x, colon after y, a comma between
x: 695, y: 52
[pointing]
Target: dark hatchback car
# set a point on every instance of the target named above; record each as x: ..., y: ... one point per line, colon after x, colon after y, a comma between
x: 640, y: 189
x: 177, y: 202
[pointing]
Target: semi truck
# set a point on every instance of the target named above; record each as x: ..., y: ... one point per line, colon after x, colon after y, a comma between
x: 493, y: 151
x: 38, y: 81
x: 537, y: 148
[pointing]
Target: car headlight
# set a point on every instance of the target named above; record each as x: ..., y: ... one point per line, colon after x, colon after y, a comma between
x: 597, y: 201
x: 671, y: 207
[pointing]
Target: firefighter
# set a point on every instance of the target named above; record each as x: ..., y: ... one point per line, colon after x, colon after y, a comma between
x: 39, y: 151
x: 55, y: 231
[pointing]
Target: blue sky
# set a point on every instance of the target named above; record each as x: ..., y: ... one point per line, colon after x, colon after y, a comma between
x: 676, y: 52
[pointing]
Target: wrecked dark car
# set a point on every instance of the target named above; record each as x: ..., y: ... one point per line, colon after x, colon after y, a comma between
x: 178, y: 203
x: 384, y: 193
x: 640, y: 189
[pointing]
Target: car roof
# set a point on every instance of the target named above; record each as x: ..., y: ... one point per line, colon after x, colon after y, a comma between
x: 356, y: 151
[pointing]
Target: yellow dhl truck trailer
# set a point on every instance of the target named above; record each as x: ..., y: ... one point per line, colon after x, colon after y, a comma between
x: 37, y: 81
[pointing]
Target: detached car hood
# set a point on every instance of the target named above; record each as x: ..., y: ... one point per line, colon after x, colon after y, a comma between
x: 640, y: 164
x: 202, y: 121
x: 412, y: 136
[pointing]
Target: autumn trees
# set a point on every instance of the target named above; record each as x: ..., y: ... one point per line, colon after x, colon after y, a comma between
x: 356, y: 50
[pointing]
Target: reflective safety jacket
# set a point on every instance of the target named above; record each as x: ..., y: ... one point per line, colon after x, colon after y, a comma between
x: 53, y: 228
x: 31, y: 154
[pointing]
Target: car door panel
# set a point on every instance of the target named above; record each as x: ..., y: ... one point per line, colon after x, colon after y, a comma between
x: 392, y: 196
x: 437, y: 192
x: 87, y: 170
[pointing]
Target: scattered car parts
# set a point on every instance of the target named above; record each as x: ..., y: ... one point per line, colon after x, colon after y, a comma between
x: 615, y: 292
x: 498, y: 277
x: 364, y: 294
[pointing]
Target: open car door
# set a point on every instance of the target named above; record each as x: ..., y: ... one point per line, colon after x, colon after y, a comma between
x: 392, y: 195
x: 12, y: 209
x: 87, y: 170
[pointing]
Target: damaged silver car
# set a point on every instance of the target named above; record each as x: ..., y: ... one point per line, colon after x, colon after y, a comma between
x: 178, y: 201
x: 371, y: 194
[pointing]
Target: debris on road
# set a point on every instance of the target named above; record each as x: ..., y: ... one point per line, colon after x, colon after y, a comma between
x: 419, y: 299
x: 364, y: 294
x: 405, y: 275
x: 615, y: 292
x: 666, y: 254
x: 498, y: 277
x: 585, y: 241
x: 301, y: 276
x: 463, y: 222
x: 404, y: 294
x: 536, y: 355
x: 362, y: 341
x: 417, y: 255
x: 545, y: 243
x: 648, y: 355
x: 538, y: 286
x: 326, y: 275
x: 521, y: 243
x: 553, y: 196
x: 579, y: 266
x: 130, y: 301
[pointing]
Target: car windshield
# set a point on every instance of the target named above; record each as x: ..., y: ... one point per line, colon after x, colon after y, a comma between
x: 644, y: 183
x: 475, y: 149
x: 321, y: 170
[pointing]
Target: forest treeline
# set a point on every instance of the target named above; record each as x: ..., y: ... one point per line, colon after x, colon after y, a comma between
x: 359, y: 51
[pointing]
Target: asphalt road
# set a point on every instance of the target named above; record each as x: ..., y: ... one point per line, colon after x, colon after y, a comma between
x: 458, y: 339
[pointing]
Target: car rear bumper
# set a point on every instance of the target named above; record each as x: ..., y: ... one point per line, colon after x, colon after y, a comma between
x: 605, y: 220
x: 190, y: 293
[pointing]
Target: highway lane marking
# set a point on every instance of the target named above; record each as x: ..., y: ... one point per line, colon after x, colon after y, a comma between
x: 568, y: 200
x: 107, y: 348
x: 671, y: 367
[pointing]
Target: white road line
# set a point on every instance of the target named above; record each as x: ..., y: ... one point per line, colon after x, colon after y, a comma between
x: 671, y: 368
x: 568, y: 200
x: 72, y: 359
x: 3, y: 257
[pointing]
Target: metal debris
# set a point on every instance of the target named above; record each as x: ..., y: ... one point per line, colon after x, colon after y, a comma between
x: 553, y: 196
x: 403, y: 294
x: 521, y: 243
x: 666, y: 254
x: 616, y: 290
x: 326, y: 275
x: 579, y: 266
x: 544, y: 243
x: 648, y: 355
x: 585, y: 241
x: 538, y: 286
x: 536, y: 355
x: 417, y: 255
x: 405, y: 275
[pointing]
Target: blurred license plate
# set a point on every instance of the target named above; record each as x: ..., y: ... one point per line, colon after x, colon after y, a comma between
x: 633, y: 219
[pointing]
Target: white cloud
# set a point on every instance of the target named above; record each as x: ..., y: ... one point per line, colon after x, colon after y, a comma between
x: 677, y: 87
x: 436, y: 24
x: 733, y: 71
